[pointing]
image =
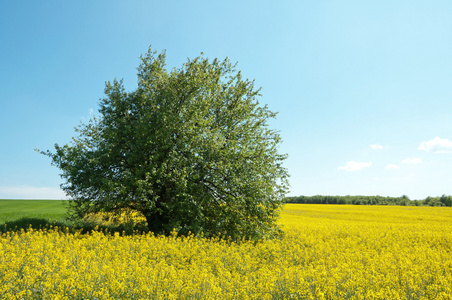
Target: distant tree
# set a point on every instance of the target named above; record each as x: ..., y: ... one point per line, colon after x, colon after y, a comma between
x: 446, y: 200
x: 190, y: 149
x: 433, y: 201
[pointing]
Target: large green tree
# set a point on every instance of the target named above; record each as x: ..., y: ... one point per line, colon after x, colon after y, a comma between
x: 190, y: 149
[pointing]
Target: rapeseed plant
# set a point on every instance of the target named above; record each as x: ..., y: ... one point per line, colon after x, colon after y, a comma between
x: 328, y: 252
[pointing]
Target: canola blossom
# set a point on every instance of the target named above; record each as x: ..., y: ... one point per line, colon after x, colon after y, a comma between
x: 328, y: 252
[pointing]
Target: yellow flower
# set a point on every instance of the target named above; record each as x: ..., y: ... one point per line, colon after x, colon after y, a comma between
x: 328, y: 252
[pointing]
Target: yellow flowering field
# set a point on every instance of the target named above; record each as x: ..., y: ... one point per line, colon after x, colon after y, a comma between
x: 328, y: 252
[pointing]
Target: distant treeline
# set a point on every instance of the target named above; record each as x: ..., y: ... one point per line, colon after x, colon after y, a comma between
x: 371, y: 200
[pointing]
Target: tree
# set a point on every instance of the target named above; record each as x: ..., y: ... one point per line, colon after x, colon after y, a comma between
x: 190, y: 149
x: 446, y: 200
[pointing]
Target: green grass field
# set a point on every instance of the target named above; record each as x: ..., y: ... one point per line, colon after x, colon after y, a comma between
x: 22, y: 213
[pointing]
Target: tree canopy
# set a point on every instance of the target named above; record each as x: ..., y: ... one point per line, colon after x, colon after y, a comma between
x: 190, y: 149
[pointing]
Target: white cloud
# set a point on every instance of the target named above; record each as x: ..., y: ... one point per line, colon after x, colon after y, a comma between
x: 376, y: 147
x: 437, y: 145
x: 412, y: 161
x: 392, y: 166
x: 355, y: 166
x: 31, y: 192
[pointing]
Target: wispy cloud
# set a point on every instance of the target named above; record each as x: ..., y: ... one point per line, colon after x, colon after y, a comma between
x: 412, y: 161
x: 352, y: 166
x: 30, y: 192
x: 392, y: 166
x: 376, y: 147
x: 437, y: 145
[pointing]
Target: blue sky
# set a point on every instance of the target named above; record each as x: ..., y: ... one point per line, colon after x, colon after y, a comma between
x: 363, y: 88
